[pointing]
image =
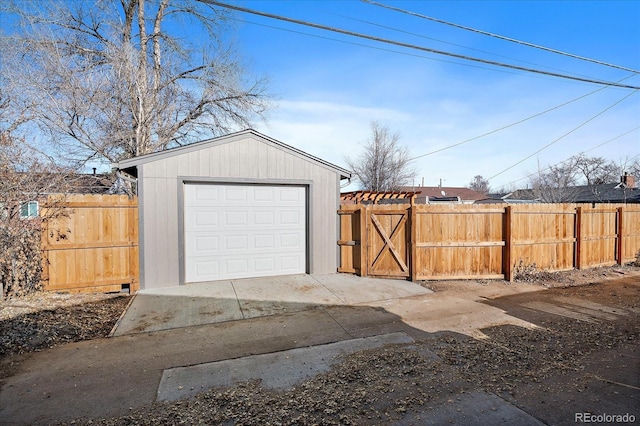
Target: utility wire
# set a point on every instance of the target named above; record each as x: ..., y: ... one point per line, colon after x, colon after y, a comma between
x: 446, y: 42
x: 563, y: 136
x: 412, y: 46
x: 433, y: 59
x: 581, y: 152
x: 510, y: 125
x: 595, y: 61
x: 368, y: 46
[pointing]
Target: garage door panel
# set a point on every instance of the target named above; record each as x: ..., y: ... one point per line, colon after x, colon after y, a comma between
x: 290, y: 241
x: 290, y: 195
x: 215, y: 244
x: 203, y: 193
x: 199, y: 216
x: 263, y: 218
x: 236, y: 218
x: 265, y: 241
x: 206, y: 267
x: 263, y: 195
x: 241, y: 231
x: 289, y: 217
x: 206, y: 244
x: 230, y: 267
x: 237, y: 242
x: 290, y: 263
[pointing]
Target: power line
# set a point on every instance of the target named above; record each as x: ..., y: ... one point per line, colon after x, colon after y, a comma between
x: 412, y: 46
x: 595, y: 61
x: 398, y: 52
x: 582, y: 152
x: 510, y: 125
x: 446, y: 42
x: 368, y: 46
x: 563, y: 136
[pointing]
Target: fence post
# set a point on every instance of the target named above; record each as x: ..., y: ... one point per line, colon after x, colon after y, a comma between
x: 44, y: 247
x: 413, y: 249
x: 364, y: 240
x: 620, y: 236
x: 507, y: 266
x: 577, y: 256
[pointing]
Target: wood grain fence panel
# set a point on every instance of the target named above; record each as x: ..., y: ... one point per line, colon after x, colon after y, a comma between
x: 94, y: 248
x: 631, y: 233
x: 544, y: 236
x: 599, y: 237
x: 460, y: 241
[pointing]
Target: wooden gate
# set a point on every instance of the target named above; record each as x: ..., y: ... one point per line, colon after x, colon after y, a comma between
x: 94, y: 248
x: 388, y: 243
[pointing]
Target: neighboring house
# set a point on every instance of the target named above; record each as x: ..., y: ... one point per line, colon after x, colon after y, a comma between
x: 237, y: 206
x: 31, y: 188
x: 520, y: 196
x: 444, y: 194
x: 95, y: 183
x: 626, y: 191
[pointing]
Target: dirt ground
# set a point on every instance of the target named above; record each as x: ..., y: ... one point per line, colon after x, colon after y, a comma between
x: 582, y: 357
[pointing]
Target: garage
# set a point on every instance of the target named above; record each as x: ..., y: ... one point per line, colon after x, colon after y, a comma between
x: 241, y: 231
x: 237, y: 206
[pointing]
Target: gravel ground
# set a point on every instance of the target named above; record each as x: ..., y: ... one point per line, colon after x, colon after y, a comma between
x: 375, y: 386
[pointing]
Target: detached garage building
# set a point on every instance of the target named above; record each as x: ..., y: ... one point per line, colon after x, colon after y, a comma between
x: 238, y: 206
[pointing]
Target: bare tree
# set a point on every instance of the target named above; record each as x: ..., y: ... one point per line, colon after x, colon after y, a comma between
x: 479, y: 184
x: 106, y: 80
x: 596, y: 170
x: 559, y: 183
x: 384, y: 165
x: 556, y: 184
x: 27, y: 180
x: 632, y: 167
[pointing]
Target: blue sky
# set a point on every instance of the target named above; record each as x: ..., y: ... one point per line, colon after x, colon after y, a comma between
x: 329, y: 87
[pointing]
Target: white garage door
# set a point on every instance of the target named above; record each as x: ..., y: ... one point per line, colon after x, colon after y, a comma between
x: 241, y: 231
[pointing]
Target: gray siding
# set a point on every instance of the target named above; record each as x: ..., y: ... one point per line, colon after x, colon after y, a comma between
x: 250, y: 159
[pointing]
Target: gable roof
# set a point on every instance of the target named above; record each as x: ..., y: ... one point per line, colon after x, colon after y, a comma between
x: 232, y: 137
x: 45, y: 183
x: 604, y: 193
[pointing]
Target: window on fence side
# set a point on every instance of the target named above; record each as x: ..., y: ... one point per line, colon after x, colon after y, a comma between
x: 29, y: 210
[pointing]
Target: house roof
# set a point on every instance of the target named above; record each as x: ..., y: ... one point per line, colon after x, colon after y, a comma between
x: 69, y: 183
x: 604, y: 193
x: 445, y: 191
x: 155, y: 156
x: 91, y: 184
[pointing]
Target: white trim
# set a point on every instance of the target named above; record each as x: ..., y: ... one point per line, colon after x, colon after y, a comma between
x: 28, y: 205
x: 155, y: 156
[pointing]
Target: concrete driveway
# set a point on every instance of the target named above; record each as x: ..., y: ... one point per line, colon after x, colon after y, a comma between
x: 175, y: 342
x: 229, y: 300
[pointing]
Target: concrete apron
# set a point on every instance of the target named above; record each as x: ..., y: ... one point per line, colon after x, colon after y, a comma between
x: 221, y: 301
x: 230, y: 300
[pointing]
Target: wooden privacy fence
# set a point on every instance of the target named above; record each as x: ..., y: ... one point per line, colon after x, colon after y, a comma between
x: 430, y: 242
x: 94, y: 248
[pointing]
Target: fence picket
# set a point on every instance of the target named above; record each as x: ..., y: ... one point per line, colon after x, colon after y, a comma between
x: 462, y: 242
x: 95, y: 248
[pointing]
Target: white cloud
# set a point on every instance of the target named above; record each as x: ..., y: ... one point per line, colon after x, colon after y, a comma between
x: 327, y: 130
